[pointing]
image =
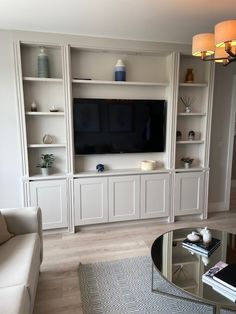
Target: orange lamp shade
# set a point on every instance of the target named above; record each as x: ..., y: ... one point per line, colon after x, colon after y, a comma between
x: 203, y: 43
x: 225, y: 32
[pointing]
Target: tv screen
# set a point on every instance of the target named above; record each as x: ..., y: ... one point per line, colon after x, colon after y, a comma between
x: 114, y: 126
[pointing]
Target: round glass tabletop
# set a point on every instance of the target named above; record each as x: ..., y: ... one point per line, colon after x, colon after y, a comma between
x: 186, y: 263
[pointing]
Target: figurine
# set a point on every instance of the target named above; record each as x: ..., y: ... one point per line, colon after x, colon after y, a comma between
x: 178, y: 135
x: 100, y: 167
x: 191, y: 135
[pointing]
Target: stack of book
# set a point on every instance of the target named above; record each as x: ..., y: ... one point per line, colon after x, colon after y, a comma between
x: 200, y: 247
x: 222, y: 278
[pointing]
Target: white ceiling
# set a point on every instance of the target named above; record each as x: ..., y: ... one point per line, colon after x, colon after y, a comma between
x: 150, y: 20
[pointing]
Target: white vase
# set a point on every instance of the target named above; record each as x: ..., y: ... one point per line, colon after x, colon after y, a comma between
x: 186, y: 165
x: 207, y: 237
x: 45, y: 171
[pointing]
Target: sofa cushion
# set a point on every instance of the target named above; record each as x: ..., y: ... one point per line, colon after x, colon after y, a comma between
x: 4, y: 233
x: 20, y: 261
x: 14, y: 300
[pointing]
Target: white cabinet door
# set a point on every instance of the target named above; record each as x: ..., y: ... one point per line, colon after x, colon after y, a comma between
x: 155, y: 200
x: 124, y: 198
x: 90, y: 201
x: 51, y: 197
x: 189, y: 193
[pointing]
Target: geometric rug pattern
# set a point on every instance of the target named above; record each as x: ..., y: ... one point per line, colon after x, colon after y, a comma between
x: 124, y: 287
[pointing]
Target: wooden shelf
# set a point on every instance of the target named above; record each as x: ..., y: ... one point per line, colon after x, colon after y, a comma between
x: 190, y: 142
x: 122, y: 83
x: 190, y: 114
x: 193, y: 84
x: 41, y: 113
x: 46, y: 145
x: 42, y: 79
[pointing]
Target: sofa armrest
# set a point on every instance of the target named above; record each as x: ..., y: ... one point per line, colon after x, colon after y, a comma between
x: 24, y: 220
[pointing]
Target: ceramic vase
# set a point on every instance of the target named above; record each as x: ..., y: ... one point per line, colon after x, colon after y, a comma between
x: 189, y: 77
x: 33, y: 107
x: 43, y: 63
x: 120, y: 71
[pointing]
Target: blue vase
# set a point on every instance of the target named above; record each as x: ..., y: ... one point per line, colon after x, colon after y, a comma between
x: 43, y: 64
x: 120, y: 71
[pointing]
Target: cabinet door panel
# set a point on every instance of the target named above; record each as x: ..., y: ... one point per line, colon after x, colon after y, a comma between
x: 155, y: 195
x: 189, y: 193
x: 90, y: 201
x: 51, y: 197
x: 124, y: 198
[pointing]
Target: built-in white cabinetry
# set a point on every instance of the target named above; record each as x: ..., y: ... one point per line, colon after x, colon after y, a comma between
x: 124, y: 194
x: 155, y: 195
x: 90, y: 201
x: 51, y: 197
x: 74, y: 194
x: 189, y: 193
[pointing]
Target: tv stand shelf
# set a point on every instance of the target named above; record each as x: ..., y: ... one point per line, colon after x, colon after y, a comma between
x: 118, y: 172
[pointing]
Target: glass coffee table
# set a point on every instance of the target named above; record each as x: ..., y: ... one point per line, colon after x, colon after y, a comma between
x: 183, y: 268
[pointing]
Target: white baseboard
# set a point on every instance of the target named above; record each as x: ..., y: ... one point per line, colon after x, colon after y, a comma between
x: 217, y: 207
x: 233, y: 183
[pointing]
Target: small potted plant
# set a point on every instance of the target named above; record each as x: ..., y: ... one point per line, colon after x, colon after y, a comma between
x: 46, y: 163
x: 187, y: 161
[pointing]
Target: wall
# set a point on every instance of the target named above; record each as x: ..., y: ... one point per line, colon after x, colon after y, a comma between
x: 10, y: 167
x: 220, y: 136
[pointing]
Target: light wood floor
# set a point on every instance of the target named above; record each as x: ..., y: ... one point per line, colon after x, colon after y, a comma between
x: 58, y: 289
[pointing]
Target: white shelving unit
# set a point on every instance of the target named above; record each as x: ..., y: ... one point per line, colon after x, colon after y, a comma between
x: 123, y: 191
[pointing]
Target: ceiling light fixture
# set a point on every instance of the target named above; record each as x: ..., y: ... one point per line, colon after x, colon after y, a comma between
x: 221, y: 44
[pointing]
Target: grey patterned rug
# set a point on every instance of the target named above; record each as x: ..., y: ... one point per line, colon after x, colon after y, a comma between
x: 124, y: 287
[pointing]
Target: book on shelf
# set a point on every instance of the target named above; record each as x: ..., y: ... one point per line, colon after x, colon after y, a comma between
x: 227, y: 277
x: 201, y: 247
x: 207, y: 278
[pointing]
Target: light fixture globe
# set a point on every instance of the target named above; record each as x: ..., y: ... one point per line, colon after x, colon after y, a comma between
x: 203, y: 45
x: 225, y: 32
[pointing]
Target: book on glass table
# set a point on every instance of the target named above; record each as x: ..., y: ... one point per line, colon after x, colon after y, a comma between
x: 227, y: 277
x: 199, y: 246
x: 207, y: 278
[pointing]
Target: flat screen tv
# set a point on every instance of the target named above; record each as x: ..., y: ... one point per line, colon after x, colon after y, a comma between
x: 114, y: 126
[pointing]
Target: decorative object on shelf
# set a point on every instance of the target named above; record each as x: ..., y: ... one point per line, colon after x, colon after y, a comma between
x: 189, y: 77
x: 191, y: 135
x: 33, y: 107
x: 120, y: 71
x: 193, y: 237
x: 100, y: 168
x: 46, y: 163
x: 47, y: 139
x: 205, y: 260
x: 178, y: 135
x: 148, y: 165
x: 187, y: 102
x: 222, y: 44
x: 43, y: 63
x: 53, y: 109
x: 187, y: 162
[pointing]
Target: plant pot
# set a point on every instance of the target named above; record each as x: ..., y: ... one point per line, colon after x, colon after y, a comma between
x: 186, y: 165
x: 45, y: 171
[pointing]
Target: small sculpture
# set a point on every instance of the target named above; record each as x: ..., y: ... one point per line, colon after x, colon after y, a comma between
x: 53, y: 109
x: 33, y: 106
x: 100, y: 167
x: 193, y: 237
x: 191, y: 135
x: 178, y: 135
x: 47, y: 139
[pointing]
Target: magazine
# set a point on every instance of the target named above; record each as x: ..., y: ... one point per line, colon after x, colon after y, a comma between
x: 227, y: 277
x: 207, y: 278
x: 201, y: 247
